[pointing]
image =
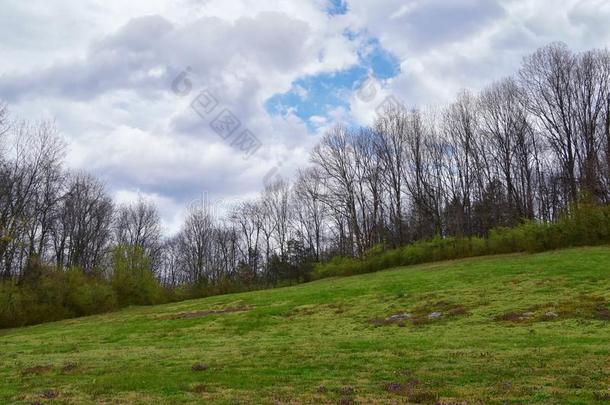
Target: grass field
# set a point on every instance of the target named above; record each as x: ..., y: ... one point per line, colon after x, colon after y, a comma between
x: 504, y: 329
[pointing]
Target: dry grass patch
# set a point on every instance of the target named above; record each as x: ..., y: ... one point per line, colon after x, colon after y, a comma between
x: 201, y: 314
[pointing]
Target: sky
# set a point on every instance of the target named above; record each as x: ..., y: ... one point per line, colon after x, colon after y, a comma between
x: 179, y: 100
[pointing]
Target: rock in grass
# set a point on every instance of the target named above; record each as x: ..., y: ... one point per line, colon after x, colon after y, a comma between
x: 435, y: 315
x: 398, y: 317
x: 551, y: 314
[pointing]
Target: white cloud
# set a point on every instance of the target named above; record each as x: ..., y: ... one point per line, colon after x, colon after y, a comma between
x: 103, y: 70
x: 106, y: 80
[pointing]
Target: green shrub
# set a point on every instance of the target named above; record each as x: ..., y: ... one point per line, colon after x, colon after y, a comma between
x: 585, y: 224
x: 47, y: 294
x: 132, y: 278
x: 88, y: 295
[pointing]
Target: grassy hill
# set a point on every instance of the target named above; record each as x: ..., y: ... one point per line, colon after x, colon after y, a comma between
x: 503, y: 329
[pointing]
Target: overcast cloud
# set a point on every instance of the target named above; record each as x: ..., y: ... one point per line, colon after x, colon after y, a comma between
x: 103, y: 70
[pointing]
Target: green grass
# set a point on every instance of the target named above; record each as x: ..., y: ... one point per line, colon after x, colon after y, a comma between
x: 515, y: 329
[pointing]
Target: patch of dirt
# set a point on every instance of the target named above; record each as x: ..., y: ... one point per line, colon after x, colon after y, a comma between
x: 201, y: 314
x: 601, y: 396
x: 422, y: 314
x: 49, y: 394
x: 337, y: 308
x: 405, y: 388
x: 306, y: 310
x: 69, y: 367
x: 414, y: 390
x: 451, y: 402
x: 200, y: 367
x: 394, y: 388
x: 603, y: 313
x: 504, y: 387
x: 439, y: 310
x: 582, y: 307
x: 512, y: 317
x: 36, y: 370
x: 199, y: 389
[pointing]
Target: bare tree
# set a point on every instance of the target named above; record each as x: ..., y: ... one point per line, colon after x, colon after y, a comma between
x: 196, y: 239
x: 171, y: 273
x: 3, y: 121
x: 546, y: 77
x: 310, y: 212
x: 139, y: 225
x: 424, y: 173
x: 591, y: 89
x: 461, y: 125
x: 82, y: 229
x: 247, y: 219
x: 29, y: 183
x: 391, y: 144
x: 335, y: 158
x: 508, y: 134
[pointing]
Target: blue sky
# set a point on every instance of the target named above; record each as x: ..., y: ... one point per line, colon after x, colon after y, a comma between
x: 337, y: 7
x: 317, y: 95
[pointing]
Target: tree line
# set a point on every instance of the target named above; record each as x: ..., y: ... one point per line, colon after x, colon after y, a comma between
x: 524, y: 148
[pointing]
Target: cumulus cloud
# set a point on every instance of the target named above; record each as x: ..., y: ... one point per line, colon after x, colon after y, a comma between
x: 444, y: 47
x: 104, y: 72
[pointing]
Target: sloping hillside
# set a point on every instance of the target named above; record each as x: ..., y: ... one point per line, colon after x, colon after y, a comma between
x: 504, y: 329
